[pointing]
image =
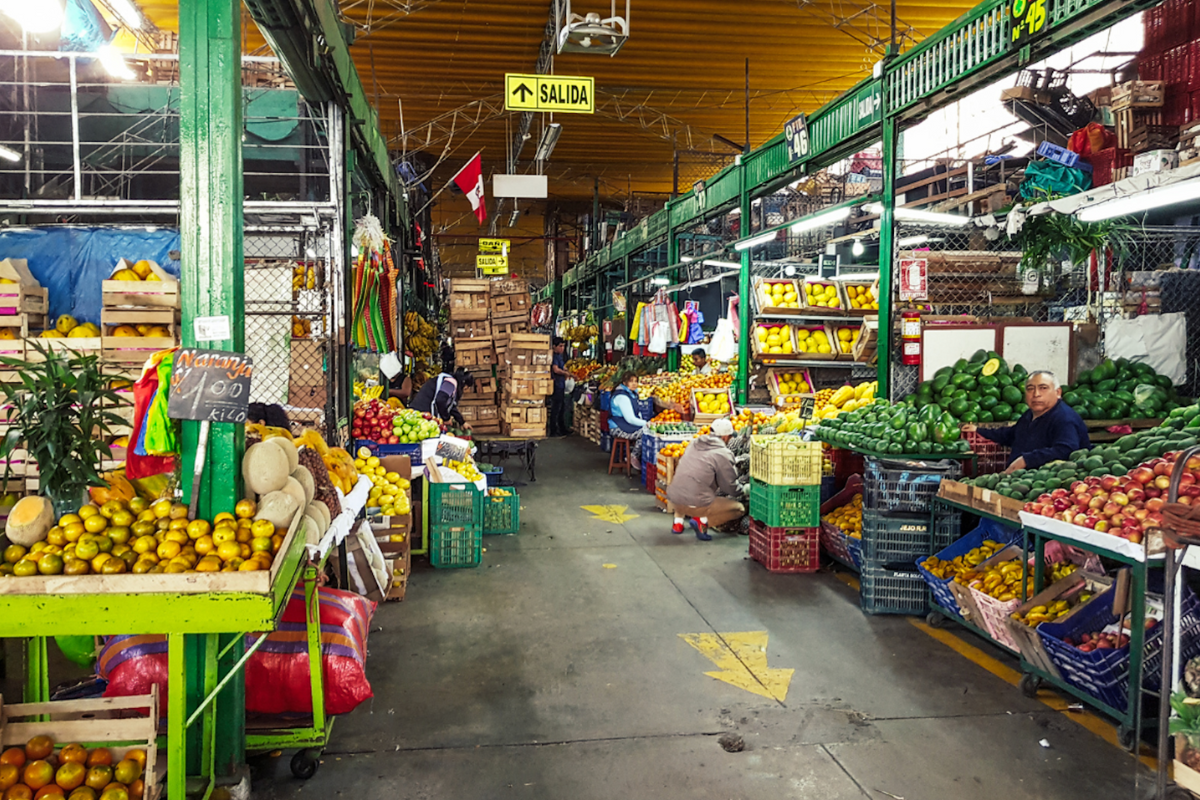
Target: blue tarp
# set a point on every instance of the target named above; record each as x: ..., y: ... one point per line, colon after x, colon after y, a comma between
x: 72, y: 262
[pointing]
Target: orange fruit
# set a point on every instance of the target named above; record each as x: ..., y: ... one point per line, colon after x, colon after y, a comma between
x: 67, y: 519
x: 178, y: 524
x: 204, y: 545
x: 73, y: 754
x: 99, y: 561
x: 161, y: 508
x: 168, y: 550
x: 198, y: 528
x: 99, y: 776
x: 178, y: 511
x: 137, y: 789
x: 223, y: 516
x: 114, y: 566
x: 250, y: 565
x: 261, y: 545
x: 262, y: 527
x: 138, y: 504
x: 37, y: 774
x: 245, y: 509
x: 138, y: 756
x: 142, y: 566
x: 208, y: 564
x: 122, y: 519
x: 119, y: 535
x: 49, y: 792
x: 95, y: 524
x: 115, y: 792
x: 9, y: 775
x: 19, y: 792
x: 70, y: 775
x: 83, y: 793
x: 222, y: 535
x: 227, y: 551
x: 88, y: 511
x: 177, y: 535
x: 73, y: 530
x: 243, y: 536
x: 39, y: 747
x: 100, y: 757
x: 108, y: 509
x: 144, y: 544
x: 56, y: 535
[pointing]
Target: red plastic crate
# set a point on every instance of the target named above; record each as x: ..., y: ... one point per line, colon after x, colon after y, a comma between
x: 1194, y: 65
x: 845, y: 464
x: 1177, y: 22
x: 1105, y: 161
x: 1175, y: 65
x: 1152, y: 31
x: 1177, y: 105
x: 990, y: 457
x: 785, y: 549
x: 1150, y: 67
x: 651, y: 478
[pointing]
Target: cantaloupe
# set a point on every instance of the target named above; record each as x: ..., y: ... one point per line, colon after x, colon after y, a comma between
x: 312, y: 530
x: 321, y: 516
x: 326, y: 514
x: 278, y: 508
x: 294, y: 488
x: 306, y: 480
x: 289, y: 450
x: 29, y: 521
x: 265, y: 468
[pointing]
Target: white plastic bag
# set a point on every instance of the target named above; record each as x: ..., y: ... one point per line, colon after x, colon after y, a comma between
x: 723, y: 346
x: 1157, y: 340
x: 658, y: 337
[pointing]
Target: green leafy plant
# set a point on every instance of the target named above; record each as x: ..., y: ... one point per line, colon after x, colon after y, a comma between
x: 1050, y: 236
x: 62, y: 413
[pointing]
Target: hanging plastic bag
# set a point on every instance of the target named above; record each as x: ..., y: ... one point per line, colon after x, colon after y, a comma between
x: 659, y: 336
x: 723, y: 346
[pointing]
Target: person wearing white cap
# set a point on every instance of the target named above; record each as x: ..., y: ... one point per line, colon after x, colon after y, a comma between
x: 705, y: 470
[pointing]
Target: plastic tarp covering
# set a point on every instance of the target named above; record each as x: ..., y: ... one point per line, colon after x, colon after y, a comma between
x: 1159, y: 340
x: 71, y: 262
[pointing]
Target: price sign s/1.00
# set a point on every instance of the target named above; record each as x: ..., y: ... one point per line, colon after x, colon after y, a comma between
x: 210, y: 385
x: 1029, y: 18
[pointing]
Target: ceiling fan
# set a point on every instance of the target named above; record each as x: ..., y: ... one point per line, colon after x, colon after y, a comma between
x: 590, y: 33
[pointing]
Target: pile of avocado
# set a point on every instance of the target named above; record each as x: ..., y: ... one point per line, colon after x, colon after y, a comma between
x: 673, y: 427
x: 1178, y: 432
x: 895, y: 429
x: 1121, y: 389
x: 982, y: 389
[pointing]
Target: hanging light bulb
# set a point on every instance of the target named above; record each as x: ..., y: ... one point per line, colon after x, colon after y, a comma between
x: 858, y: 248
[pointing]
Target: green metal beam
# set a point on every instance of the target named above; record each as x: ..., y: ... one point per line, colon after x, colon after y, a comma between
x: 212, y: 284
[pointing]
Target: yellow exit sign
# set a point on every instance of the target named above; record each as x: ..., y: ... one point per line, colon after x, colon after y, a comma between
x: 491, y: 264
x: 561, y: 93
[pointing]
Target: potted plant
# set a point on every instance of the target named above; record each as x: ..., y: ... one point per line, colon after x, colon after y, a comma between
x: 61, y: 412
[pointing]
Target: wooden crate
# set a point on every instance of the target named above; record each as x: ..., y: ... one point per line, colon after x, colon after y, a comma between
x: 843, y: 351
x: 468, y: 299
x: 811, y: 331
x: 483, y: 386
x: 486, y: 427
x: 527, y: 387
x: 508, y: 328
x: 25, y: 325
x: 824, y: 310
x: 763, y: 302
x: 760, y: 348
x: 779, y: 398
x: 702, y: 418
x: 1138, y: 94
x: 524, y: 431
x: 523, y: 414
x: 86, y: 345
x: 119, y: 723
x: 479, y: 413
x: 19, y: 298
x: 867, y: 342
x: 471, y: 329
x: 474, y: 353
x: 508, y: 286
x: 155, y: 295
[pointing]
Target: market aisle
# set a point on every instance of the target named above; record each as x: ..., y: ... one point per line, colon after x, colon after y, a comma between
x: 557, y: 670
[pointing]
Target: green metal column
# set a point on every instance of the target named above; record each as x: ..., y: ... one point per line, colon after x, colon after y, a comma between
x: 673, y: 355
x: 745, y: 308
x: 212, y: 284
x: 887, y: 248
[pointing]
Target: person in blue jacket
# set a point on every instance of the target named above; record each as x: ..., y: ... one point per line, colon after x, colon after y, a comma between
x: 623, y: 419
x: 1049, y: 431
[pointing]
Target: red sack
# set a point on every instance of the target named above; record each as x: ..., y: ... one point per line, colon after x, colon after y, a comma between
x: 277, y: 676
x: 1091, y: 138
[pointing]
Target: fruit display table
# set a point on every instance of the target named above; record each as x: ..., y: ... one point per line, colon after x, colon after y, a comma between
x: 191, y: 609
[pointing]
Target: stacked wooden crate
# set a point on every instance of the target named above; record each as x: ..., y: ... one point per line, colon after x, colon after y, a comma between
x: 475, y: 352
x: 144, y: 311
x: 23, y: 310
x: 525, y: 381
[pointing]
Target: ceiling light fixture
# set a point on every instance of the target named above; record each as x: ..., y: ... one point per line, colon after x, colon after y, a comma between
x: 590, y: 33
x: 858, y: 248
x: 821, y: 220
x: 916, y: 215
x: 549, y: 139
x: 1171, y: 194
x: 789, y: 270
x: 658, y: 281
x: 912, y: 241
x: 722, y: 264
x: 127, y: 12
x: 755, y: 241
x: 114, y: 63
x: 9, y: 154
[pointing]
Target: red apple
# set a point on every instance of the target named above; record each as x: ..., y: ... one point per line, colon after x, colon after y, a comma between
x: 1155, y: 516
x: 1118, y: 520
x: 1161, y: 467
x: 1140, y: 514
x: 1077, y: 485
x: 1092, y: 481
x: 1109, y: 482
x: 1048, y: 510
x: 1079, y: 519
x: 1136, y: 496
x: 1059, y: 492
x: 1142, y: 475
x: 1155, y: 504
x: 1061, y: 504
x: 1120, y: 498
x: 1097, y: 502
x: 1091, y: 521
x: 1153, y: 491
x: 1193, y: 462
x: 1066, y: 516
x: 1136, y: 537
x: 1186, y: 500
x: 1111, y: 509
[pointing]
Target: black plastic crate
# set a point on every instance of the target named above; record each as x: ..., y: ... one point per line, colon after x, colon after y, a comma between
x: 905, y: 486
x: 947, y: 529
x: 883, y: 590
x: 895, y: 537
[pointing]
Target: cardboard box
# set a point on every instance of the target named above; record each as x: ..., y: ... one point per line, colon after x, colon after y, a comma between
x: 302, y: 395
x: 1155, y: 161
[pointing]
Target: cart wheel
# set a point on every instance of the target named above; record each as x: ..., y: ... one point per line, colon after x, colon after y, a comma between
x: 1030, y: 684
x: 305, y: 763
x: 1126, y: 737
x: 935, y: 619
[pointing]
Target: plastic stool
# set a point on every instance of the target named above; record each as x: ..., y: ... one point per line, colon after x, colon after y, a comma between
x: 621, y: 446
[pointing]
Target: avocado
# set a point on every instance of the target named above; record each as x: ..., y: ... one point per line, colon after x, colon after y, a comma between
x: 1002, y: 411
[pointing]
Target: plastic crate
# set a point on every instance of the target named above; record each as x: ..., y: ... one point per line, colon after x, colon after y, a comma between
x: 994, y: 615
x: 413, y: 451
x: 455, y: 504
x: 785, y: 506
x: 895, y: 537
x: 644, y: 408
x: 785, y: 549
x: 837, y: 545
x: 845, y: 464
x: 784, y: 460
x: 940, y: 587
x: 1104, y: 674
x: 947, y: 529
x: 883, y: 590
x: 905, y: 486
x: 451, y: 547
x: 1062, y: 155
x: 1105, y: 161
x: 651, y: 478
x: 989, y: 456
x: 605, y: 401
x: 501, y: 514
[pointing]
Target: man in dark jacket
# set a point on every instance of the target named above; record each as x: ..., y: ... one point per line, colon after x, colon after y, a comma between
x: 706, y: 468
x: 1049, y: 431
x: 440, y: 395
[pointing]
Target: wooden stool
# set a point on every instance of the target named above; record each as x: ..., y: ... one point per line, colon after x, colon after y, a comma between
x: 621, y: 446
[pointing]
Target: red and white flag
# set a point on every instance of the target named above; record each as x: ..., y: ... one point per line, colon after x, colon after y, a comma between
x: 470, y: 180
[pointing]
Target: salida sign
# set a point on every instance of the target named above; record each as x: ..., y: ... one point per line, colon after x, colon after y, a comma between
x: 561, y: 93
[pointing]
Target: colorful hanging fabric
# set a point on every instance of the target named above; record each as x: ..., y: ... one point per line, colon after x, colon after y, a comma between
x: 137, y: 463
x: 375, y: 288
x: 159, y: 431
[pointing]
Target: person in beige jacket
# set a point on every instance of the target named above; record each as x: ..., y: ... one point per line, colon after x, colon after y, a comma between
x: 705, y: 469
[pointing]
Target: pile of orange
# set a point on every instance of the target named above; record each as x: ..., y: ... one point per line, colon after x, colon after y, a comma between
x: 679, y: 390
x: 666, y: 416
x: 37, y: 772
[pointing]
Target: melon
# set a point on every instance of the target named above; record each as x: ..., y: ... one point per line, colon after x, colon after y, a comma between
x: 296, y: 490
x: 288, y: 449
x: 312, y: 530
x: 320, y: 513
x: 29, y: 521
x: 278, y: 508
x: 305, y: 478
x: 265, y: 468
x: 326, y: 514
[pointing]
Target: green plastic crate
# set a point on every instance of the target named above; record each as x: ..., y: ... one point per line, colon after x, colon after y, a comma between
x: 451, y: 547
x: 785, y: 506
x: 455, y: 504
x: 501, y: 514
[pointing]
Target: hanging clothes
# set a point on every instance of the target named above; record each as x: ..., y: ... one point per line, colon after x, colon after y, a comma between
x: 139, y: 464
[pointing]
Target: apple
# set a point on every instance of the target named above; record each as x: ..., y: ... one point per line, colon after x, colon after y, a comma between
x: 1101, y: 525
x: 1193, y: 462
x: 1155, y: 504
x: 1077, y: 486
x: 1111, y: 509
x: 1066, y: 516
x: 1061, y: 504
x: 1048, y: 510
x: 1060, y: 492
x: 1136, y: 496
x: 1136, y: 537
x: 1120, y: 498
x: 1091, y: 521
x: 1160, y: 467
x: 1187, y: 479
x: 1153, y: 491
x: 1186, y: 500
x: 1109, y: 482
x: 1097, y: 502
x: 1156, y: 517
x: 1140, y: 514
x: 1162, y: 481
x: 1079, y: 519
x: 1142, y: 475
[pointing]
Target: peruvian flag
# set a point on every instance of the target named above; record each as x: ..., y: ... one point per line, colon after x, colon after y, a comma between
x: 470, y: 180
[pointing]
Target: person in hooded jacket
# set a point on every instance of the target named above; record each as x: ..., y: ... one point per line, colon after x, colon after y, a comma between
x: 623, y: 419
x: 706, y: 469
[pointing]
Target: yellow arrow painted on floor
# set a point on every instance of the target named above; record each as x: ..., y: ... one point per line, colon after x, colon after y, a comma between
x: 611, y: 513
x: 742, y: 658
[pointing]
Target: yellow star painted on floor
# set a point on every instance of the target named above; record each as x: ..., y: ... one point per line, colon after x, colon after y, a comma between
x: 615, y: 514
x: 742, y: 658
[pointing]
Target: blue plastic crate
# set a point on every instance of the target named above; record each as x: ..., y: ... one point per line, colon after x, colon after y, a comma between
x: 413, y: 451
x: 883, y: 590
x: 644, y: 408
x: 940, y: 587
x: 1063, y: 156
x: 1104, y: 674
x: 605, y: 401
x: 905, y: 486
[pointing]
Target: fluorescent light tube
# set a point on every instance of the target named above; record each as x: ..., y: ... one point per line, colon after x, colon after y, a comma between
x: 912, y: 241
x: 755, y: 241
x: 686, y: 259
x: 127, y: 12
x: 821, y: 220
x: 723, y: 264
x: 916, y: 215
x: 114, y: 63
x: 9, y: 154
x: 1158, y: 197
x: 658, y: 281
x: 549, y: 139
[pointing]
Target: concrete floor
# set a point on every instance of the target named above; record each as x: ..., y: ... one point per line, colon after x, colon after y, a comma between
x: 556, y: 670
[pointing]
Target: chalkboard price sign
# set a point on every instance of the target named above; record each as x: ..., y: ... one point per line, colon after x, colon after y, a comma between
x: 210, y: 385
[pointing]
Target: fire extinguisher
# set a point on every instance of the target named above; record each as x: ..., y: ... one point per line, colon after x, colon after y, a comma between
x: 910, y: 338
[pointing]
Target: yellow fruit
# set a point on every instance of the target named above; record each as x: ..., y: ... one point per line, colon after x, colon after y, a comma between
x: 125, y: 331
x: 125, y: 275
x: 65, y: 323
